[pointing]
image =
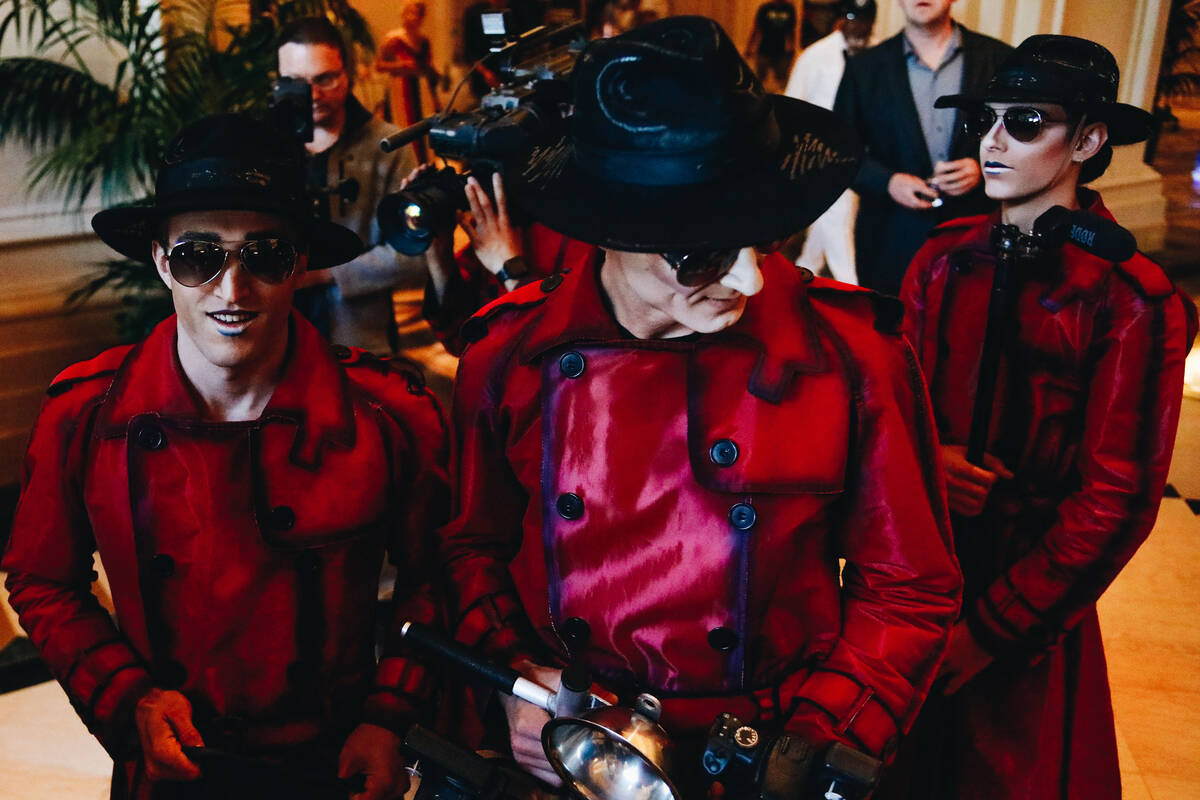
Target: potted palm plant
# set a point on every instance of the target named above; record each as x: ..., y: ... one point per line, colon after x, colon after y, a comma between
x: 175, y: 64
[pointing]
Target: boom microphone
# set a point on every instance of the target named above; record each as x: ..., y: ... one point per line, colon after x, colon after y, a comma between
x: 1101, y: 237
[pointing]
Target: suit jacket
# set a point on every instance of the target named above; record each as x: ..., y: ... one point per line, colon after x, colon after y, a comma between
x: 875, y: 97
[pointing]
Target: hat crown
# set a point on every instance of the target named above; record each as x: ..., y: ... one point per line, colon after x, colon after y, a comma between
x: 1061, y: 69
x: 674, y: 87
x: 233, y: 154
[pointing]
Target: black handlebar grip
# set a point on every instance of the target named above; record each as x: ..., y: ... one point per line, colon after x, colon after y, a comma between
x: 456, y: 654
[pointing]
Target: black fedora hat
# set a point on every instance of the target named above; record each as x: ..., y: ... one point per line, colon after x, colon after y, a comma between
x: 674, y: 145
x: 228, y: 162
x: 1068, y: 71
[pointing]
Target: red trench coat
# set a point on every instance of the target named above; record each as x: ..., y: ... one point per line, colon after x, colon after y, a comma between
x: 689, y: 500
x: 243, y: 558
x: 1085, y: 415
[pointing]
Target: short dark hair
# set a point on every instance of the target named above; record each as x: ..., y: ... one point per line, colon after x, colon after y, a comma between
x: 319, y: 30
x: 1095, y: 166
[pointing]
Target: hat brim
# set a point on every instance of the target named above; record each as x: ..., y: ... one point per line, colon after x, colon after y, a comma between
x: 1126, y: 124
x: 131, y: 229
x: 780, y: 194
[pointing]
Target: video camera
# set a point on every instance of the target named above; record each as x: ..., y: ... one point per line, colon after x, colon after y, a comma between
x: 289, y: 111
x: 530, y: 106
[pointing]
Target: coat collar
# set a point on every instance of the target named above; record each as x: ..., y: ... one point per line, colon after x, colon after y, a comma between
x: 778, y: 322
x: 313, y: 394
x: 1077, y: 273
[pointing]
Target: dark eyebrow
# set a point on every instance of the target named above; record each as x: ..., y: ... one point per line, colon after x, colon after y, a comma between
x: 267, y: 234
x: 198, y: 236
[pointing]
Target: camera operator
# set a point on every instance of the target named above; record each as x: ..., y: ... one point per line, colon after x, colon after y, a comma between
x: 351, y: 305
x: 501, y: 257
x: 641, y: 485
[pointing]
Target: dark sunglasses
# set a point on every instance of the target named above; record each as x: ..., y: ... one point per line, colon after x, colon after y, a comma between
x: 703, y: 267
x: 196, y: 262
x: 1022, y: 124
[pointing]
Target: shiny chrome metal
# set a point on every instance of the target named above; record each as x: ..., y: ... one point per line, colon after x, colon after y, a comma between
x: 611, y: 753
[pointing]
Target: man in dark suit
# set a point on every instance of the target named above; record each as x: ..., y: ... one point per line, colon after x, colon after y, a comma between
x: 921, y: 168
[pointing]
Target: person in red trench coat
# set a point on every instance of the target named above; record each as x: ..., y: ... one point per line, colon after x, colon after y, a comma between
x: 660, y: 460
x: 242, y: 484
x: 1083, y: 424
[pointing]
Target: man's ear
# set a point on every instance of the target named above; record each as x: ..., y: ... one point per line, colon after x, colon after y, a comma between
x: 1091, y: 139
x: 159, y: 253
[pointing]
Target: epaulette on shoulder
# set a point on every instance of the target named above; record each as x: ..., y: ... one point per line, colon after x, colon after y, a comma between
x: 102, y: 367
x: 1146, y: 277
x: 355, y: 358
x: 888, y: 311
x: 524, y: 298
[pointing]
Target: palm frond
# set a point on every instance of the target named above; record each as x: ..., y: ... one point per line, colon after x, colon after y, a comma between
x: 43, y: 103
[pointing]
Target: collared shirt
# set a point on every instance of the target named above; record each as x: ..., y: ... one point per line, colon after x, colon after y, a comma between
x: 927, y: 85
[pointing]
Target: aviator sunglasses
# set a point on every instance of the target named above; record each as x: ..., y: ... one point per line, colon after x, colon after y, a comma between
x: 702, y: 267
x: 196, y: 262
x: 1022, y: 123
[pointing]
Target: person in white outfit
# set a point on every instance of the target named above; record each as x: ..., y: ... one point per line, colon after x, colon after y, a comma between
x: 815, y: 78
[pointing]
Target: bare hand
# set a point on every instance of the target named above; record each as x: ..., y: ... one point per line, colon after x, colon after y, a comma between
x: 956, y: 178
x: 491, y: 234
x: 375, y: 752
x: 964, y: 658
x: 416, y: 173
x: 968, y: 486
x: 910, y: 191
x: 525, y: 723
x: 164, y: 726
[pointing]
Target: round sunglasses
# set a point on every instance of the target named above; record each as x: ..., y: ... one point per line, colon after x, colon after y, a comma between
x: 1022, y: 123
x: 702, y: 267
x: 196, y: 262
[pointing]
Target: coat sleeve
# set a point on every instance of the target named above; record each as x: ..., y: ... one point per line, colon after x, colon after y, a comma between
x: 873, y: 175
x: 901, y: 583
x: 485, y: 529
x: 405, y: 687
x: 49, y: 566
x: 1130, y: 417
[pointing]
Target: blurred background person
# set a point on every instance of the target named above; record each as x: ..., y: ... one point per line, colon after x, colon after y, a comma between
x: 406, y: 55
x: 815, y: 78
x: 772, y: 44
x: 921, y: 168
x: 351, y: 305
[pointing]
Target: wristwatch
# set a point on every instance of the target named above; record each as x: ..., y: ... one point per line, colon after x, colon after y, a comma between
x: 514, y: 269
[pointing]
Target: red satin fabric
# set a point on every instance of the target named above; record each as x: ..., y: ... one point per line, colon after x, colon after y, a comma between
x: 243, y: 557
x: 1085, y: 415
x: 834, y: 457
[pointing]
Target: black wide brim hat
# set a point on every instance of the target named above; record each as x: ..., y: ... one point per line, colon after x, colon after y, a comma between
x: 1066, y: 71
x: 674, y: 145
x: 228, y: 162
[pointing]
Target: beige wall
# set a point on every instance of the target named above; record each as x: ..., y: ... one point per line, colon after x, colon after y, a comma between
x: 46, y: 251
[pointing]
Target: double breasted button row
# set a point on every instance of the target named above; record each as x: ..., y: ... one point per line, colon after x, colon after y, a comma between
x: 723, y: 453
x: 743, y: 516
x: 163, y: 565
x: 569, y: 506
x: 723, y: 639
x: 572, y: 364
x: 281, y: 518
x: 576, y: 632
x: 150, y: 436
